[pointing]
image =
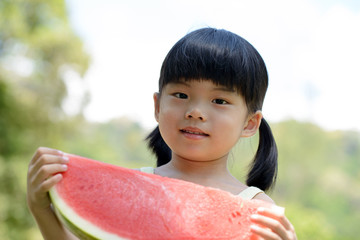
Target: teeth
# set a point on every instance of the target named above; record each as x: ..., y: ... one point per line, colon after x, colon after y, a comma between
x: 191, y: 132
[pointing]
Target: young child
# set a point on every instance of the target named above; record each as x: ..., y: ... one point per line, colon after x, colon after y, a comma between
x: 211, y: 90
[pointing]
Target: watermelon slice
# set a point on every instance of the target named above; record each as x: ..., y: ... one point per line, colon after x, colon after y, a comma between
x: 96, y: 200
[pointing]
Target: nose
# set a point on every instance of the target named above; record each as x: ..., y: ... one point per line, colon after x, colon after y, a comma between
x: 195, y: 112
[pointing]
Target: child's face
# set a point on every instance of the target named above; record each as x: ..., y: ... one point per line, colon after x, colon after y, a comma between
x: 202, y: 121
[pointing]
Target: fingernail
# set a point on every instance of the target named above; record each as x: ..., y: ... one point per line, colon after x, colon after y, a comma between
x: 58, y: 176
x: 64, y: 166
x: 261, y: 209
x: 277, y: 209
x: 60, y: 152
x: 254, y: 216
x: 254, y: 227
x: 66, y: 159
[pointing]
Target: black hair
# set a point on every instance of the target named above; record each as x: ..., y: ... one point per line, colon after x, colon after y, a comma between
x: 229, y: 60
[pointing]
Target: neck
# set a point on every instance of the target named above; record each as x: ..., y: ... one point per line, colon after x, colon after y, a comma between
x: 189, y: 166
x: 201, y: 172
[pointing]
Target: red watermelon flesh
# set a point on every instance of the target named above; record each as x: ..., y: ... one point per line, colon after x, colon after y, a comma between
x: 102, y: 201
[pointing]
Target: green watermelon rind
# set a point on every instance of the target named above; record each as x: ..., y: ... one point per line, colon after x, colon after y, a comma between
x: 81, y: 228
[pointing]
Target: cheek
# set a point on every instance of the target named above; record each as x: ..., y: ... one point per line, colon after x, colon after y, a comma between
x: 170, y: 109
x: 165, y: 111
x: 230, y: 126
x: 168, y: 116
x: 168, y: 126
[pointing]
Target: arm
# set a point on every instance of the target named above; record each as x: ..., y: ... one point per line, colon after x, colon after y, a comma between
x: 44, y: 172
x: 50, y: 226
x: 271, y: 223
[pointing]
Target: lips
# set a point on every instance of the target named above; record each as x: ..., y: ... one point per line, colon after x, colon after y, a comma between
x: 193, y: 131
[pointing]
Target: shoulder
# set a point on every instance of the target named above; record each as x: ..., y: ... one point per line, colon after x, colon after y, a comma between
x: 264, y: 197
x: 146, y: 170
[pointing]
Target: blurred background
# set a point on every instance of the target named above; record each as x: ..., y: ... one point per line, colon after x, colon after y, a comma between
x: 79, y: 76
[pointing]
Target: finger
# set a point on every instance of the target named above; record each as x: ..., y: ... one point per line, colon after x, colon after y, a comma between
x: 47, y: 171
x: 277, y: 213
x: 39, y: 195
x: 270, y: 225
x: 50, y: 182
x: 44, y: 150
x: 264, y: 233
x: 47, y: 159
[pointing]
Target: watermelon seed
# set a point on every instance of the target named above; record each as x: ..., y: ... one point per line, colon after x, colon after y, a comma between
x: 235, y: 214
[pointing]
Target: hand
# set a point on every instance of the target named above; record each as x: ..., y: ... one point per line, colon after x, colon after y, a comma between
x: 271, y: 224
x: 44, y: 172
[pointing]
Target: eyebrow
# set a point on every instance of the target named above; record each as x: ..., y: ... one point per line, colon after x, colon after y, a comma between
x: 225, y: 89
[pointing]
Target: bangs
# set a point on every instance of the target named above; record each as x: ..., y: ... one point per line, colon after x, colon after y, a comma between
x: 219, y: 56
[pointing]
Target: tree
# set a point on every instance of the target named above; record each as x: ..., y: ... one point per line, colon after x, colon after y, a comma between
x: 37, y: 49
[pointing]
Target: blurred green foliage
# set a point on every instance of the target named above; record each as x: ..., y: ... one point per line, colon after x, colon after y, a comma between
x: 37, y: 49
x: 319, y: 171
x: 318, y: 178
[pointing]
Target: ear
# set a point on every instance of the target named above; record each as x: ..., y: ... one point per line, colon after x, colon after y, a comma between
x: 252, y: 124
x: 156, y: 97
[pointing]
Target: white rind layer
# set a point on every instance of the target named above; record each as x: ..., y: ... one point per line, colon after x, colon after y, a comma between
x: 83, y: 225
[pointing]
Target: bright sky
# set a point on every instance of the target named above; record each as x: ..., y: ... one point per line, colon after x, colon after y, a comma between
x: 311, y: 49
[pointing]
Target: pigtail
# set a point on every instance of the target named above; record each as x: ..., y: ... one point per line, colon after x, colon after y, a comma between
x: 158, y: 146
x: 263, y: 169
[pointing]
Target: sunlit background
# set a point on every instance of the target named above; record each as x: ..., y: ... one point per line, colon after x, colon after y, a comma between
x: 79, y: 75
x: 311, y: 49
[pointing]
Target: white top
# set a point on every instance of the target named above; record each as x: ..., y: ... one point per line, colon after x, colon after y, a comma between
x: 248, y: 193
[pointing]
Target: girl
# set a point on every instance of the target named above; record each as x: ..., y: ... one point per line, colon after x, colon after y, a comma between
x: 211, y: 90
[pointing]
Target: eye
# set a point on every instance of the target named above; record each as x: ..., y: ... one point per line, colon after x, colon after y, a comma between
x: 180, y: 95
x: 219, y: 101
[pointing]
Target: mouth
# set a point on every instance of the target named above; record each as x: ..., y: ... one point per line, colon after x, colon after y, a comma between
x: 194, y: 131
